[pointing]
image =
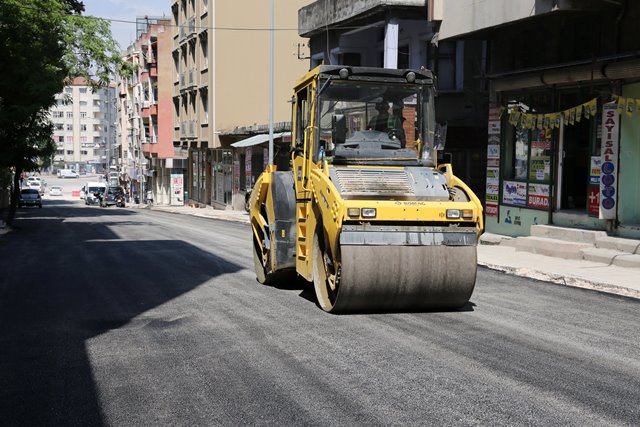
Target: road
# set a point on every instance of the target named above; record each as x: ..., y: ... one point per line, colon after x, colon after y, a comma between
x: 112, y: 316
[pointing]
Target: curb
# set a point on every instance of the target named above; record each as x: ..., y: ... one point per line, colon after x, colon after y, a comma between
x: 573, y: 282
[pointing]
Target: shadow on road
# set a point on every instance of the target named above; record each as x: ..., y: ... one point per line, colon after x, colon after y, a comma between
x: 59, y: 288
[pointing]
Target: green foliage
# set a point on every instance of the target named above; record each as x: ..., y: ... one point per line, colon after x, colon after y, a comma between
x: 43, y: 42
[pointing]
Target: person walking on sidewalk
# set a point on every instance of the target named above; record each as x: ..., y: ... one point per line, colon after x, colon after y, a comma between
x: 150, y: 197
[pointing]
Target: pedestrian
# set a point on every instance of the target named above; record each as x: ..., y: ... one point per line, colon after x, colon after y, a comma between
x: 150, y: 197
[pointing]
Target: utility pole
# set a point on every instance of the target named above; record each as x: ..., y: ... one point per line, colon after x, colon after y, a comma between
x: 271, y: 77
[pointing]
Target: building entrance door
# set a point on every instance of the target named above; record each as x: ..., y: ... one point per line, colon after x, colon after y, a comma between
x: 575, y: 165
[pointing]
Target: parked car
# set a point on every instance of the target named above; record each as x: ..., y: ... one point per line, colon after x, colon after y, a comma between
x: 55, y: 190
x: 113, y: 196
x: 30, y: 197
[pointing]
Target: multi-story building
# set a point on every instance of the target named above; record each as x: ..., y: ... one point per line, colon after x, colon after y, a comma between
x: 404, y: 34
x: 83, y: 120
x: 563, y: 145
x: 221, y: 57
x: 148, y: 159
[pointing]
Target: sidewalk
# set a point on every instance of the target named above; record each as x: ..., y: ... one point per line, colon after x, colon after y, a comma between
x: 599, y: 276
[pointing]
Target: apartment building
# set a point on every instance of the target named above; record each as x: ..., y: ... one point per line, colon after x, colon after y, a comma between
x: 563, y: 122
x: 84, y: 131
x: 221, y: 57
x: 404, y: 34
x: 148, y: 159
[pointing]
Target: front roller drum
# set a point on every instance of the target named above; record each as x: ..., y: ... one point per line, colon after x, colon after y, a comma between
x: 395, y: 277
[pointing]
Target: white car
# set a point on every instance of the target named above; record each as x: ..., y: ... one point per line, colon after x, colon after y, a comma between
x: 55, y: 190
x: 36, y: 185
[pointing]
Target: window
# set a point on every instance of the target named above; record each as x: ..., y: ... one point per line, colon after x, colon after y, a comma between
x: 59, y: 126
x: 403, y: 57
x: 83, y: 90
x: 68, y: 90
x: 83, y: 139
x: 96, y: 103
x: 83, y: 103
x: 60, y: 152
x: 83, y: 127
x: 446, y: 66
x: 58, y: 114
x: 69, y: 152
x: 69, y: 140
x: 83, y: 115
x: 69, y: 126
x: 84, y: 152
x: 60, y: 138
x: 69, y: 115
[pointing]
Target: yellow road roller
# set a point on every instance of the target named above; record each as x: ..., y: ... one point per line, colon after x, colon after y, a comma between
x: 362, y: 210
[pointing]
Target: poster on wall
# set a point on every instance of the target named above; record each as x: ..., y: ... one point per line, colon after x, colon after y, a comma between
x: 493, y: 162
x: 540, y: 163
x: 609, y: 166
x: 593, y: 200
x: 514, y: 193
x: 521, y: 153
x: 247, y: 169
x: 594, y: 174
x: 177, y: 189
x: 538, y: 196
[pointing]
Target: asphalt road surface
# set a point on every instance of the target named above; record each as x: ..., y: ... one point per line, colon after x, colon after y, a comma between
x: 124, y: 317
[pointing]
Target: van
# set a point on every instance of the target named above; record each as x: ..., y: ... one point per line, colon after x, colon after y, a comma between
x: 67, y: 173
x: 91, y: 188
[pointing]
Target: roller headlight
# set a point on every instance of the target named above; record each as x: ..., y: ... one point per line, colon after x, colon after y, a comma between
x: 459, y: 213
x: 353, y: 212
x: 368, y: 212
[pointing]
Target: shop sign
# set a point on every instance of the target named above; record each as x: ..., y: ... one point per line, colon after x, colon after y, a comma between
x: 492, y: 198
x: 609, y: 166
x: 538, y: 197
x: 493, y: 163
x: 593, y: 200
x: 514, y: 193
x: 177, y: 185
x: 594, y: 175
x: 494, y: 127
x: 493, y: 151
x: 492, y: 173
x: 491, y: 209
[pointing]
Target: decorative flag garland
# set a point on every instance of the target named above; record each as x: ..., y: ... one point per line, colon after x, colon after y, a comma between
x: 571, y: 116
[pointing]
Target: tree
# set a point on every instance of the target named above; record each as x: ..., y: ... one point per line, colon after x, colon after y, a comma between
x: 42, y: 43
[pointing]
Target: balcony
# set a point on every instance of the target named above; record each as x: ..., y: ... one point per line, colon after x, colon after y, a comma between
x: 192, y: 27
x: 191, y: 84
x: 154, y: 70
x: 183, y: 33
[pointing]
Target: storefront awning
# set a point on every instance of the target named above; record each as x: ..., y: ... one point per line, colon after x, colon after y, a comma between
x: 256, y: 139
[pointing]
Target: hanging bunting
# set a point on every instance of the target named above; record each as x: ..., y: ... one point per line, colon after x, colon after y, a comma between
x: 572, y: 116
x: 621, y: 105
x: 631, y: 106
x: 593, y: 107
x: 579, y: 109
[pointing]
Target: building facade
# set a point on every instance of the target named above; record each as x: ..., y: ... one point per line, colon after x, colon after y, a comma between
x: 563, y: 121
x: 149, y: 162
x: 404, y: 34
x: 221, y: 59
x: 84, y: 131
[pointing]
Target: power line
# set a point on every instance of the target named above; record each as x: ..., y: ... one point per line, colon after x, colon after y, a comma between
x: 200, y: 27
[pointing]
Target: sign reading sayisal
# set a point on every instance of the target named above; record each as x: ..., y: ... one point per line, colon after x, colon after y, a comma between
x: 609, y: 165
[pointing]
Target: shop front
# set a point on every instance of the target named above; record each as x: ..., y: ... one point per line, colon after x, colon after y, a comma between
x: 552, y: 159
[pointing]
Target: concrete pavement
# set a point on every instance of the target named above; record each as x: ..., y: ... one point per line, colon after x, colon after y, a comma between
x: 512, y: 256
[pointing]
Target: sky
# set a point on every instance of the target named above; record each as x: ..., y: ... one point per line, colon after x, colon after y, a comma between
x: 126, y: 10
